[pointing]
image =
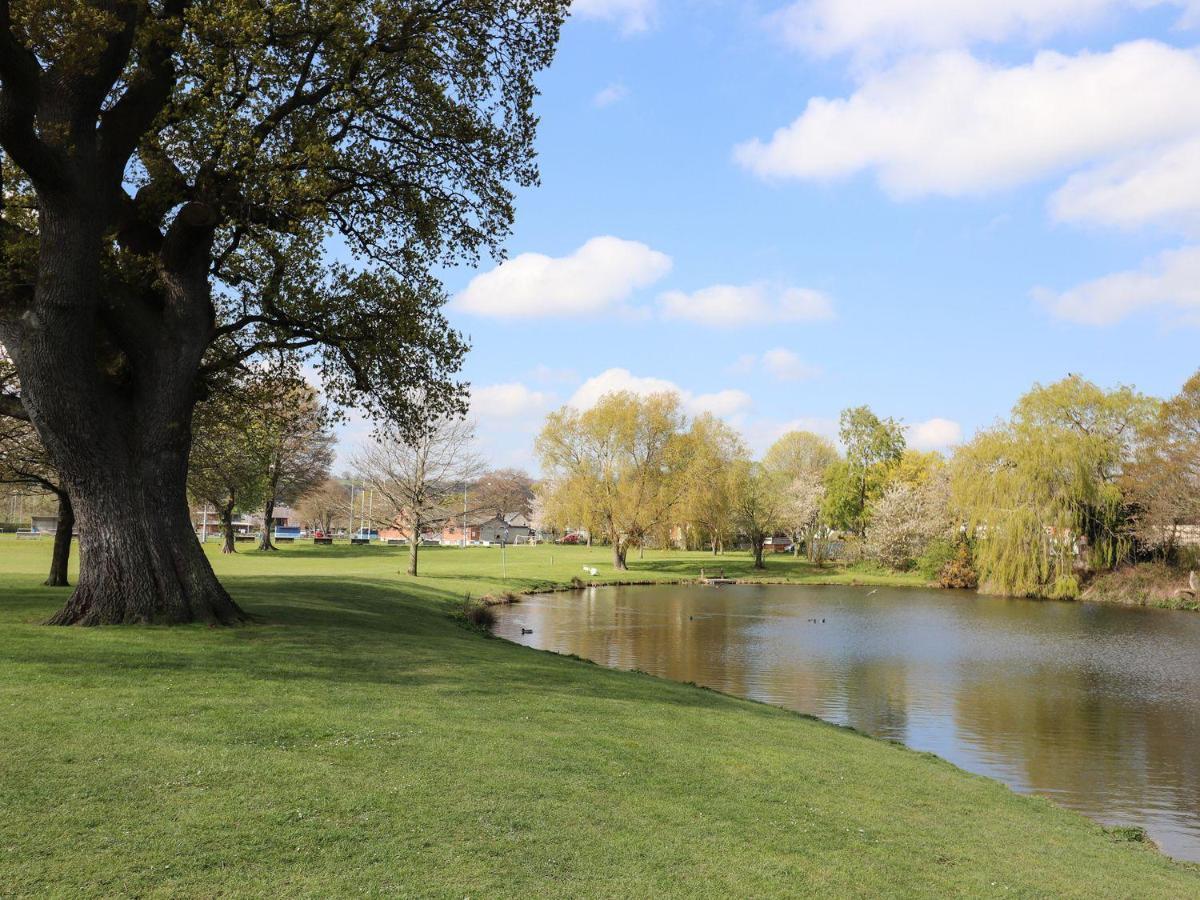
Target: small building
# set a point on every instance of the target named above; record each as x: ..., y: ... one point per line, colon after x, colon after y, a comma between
x: 512, y: 528
x: 457, y: 532
x: 45, y: 524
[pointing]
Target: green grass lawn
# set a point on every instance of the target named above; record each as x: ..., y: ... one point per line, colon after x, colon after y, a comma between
x: 360, y: 741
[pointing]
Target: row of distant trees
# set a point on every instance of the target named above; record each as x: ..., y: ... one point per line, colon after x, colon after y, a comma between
x: 264, y: 437
x: 1077, y: 479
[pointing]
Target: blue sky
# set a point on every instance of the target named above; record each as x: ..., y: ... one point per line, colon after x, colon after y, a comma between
x: 784, y: 209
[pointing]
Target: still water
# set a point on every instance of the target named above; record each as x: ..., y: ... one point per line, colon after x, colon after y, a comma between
x: 1094, y: 706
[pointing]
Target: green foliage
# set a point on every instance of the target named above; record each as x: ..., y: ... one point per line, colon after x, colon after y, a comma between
x: 873, y: 446
x: 759, y: 499
x: 938, y: 554
x: 233, y: 449
x: 707, y: 501
x: 1041, y: 491
x: 619, y: 465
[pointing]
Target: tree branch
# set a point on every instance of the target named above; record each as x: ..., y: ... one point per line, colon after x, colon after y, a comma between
x: 127, y: 121
x: 11, y: 406
x: 20, y: 93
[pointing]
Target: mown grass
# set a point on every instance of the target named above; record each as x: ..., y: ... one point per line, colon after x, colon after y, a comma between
x: 359, y: 741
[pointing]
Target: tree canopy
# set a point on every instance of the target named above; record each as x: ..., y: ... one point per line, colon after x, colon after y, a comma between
x: 622, y: 461
x: 183, y: 182
x: 1042, y: 488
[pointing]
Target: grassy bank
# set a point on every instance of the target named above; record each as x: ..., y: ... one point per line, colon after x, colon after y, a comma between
x: 1147, y: 584
x: 361, y: 742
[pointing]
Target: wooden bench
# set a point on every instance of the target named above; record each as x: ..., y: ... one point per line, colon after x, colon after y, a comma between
x: 28, y: 535
x: 323, y: 540
x: 360, y: 541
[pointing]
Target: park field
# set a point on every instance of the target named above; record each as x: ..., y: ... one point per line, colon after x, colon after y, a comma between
x: 359, y: 740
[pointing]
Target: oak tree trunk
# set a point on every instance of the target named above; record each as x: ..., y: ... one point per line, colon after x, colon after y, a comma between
x: 140, y: 562
x: 62, y: 543
x: 110, y: 383
x: 758, y: 553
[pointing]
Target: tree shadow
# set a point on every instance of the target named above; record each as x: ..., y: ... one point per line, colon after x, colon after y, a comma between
x: 327, y: 630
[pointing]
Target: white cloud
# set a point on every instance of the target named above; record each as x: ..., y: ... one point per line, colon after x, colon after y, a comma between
x: 1170, y: 281
x: 787, y: 366
x: 611, y: 381
x: 597, y: 277
x: 951, y: 124
x: 873, y: 27
x: 724, y: 305
x: 935, y: 434
x: 722, y: 403
x: 614, y: 93
x: 782, y: 364
x: 1159, y: 186
x: 631, y: 16
x: 508, y: 401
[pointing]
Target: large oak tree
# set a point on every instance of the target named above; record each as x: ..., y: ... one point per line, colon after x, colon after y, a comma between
x: 177, y: 177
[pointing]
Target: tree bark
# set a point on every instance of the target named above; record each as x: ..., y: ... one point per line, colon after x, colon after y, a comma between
x: 62, y: 543
x: 264, y: 542
x: 140, y: 563
x: 230, y: 545
x: 619, y: 551
x: 414, y: 547
x: 112, y: 403
x: 758, y: 552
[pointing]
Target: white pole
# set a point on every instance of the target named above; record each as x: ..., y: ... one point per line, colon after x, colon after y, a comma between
x: 371, y: 516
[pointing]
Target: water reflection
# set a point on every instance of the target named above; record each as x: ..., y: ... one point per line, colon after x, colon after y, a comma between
x: 1095, y: 706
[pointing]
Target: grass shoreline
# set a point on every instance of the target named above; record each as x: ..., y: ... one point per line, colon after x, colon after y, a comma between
x: 359, y: 741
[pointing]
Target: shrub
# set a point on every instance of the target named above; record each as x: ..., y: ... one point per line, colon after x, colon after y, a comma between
x: 477, y: 613
x: 960, y: 571
x: 939, y: 554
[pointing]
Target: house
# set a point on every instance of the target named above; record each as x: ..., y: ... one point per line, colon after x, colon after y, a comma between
x: 205, y: 519
x: 777, y: 543
x: 457, y: 532
x: 512, y: 528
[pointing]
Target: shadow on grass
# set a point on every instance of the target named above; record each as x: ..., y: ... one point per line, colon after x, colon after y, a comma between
x: 325, y: 630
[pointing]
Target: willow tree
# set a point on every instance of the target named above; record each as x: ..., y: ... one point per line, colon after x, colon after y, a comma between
x: 172, y: 173
x: 621, y: 464
x: 706, y: 505
x: 759, y: 504
x: 1042, y: 491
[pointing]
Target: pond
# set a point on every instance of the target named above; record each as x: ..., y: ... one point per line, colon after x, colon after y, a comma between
x: 1094, y: 706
